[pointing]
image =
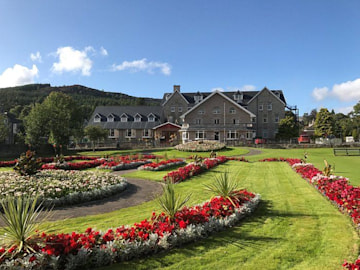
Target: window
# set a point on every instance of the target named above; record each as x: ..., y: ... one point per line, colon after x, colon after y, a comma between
x: 277, y: 118
x: 217, y: 121
x: 216, y: 110
x: 185, y: 135
x: 97, y: 118
x: 110, y: 118
x: 265, y: 118
x: 180, y: 109
x: 232, y: 110
x: 261, y: 107
x: 201, y: 111
x: 200, y: 134
x: 172, y: 109
x: 198, y: 121
x: 253, y: 119
x: 111, y: 132
x: 137, y: 118
x: 269, y: 107
x: 151, y: 118
x: 146, y: 133
x: 124, y: 118
x: 198, y: 99
x: 249, y: 135
x: 236, y: 121
x: 232, y: 134
x: 128, y: 133
x: 265, y: 134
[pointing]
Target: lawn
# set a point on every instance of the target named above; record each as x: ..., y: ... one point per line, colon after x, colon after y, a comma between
x: 294, y: 227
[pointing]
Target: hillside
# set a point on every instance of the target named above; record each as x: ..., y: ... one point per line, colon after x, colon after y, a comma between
x: 16, y: 98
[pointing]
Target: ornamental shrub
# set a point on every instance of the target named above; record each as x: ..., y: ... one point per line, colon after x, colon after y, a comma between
x: 28, y: 164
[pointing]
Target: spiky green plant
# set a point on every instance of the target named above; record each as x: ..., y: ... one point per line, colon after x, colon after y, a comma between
x: 21, y: 217
x: 170, y: 202
x: 223, y: 186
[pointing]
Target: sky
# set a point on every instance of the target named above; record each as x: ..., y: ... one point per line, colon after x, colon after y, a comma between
x: 310, y: 49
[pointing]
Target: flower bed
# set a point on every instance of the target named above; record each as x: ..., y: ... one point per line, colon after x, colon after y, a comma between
x: 61, y: 187
x: 200, y: 146
x: 336, y: 188
x: 73, y: 166
x: 162, y: 165
x: 193, y: 169
x: 123, y: 165
x: 93, y: 249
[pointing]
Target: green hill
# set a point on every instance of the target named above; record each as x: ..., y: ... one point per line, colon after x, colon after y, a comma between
x: 16, y: 98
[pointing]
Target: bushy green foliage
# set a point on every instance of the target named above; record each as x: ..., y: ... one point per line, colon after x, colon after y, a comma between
x: 27, y: 164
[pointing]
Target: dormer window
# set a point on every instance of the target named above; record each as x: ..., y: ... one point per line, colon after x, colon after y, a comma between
x: 151, y: 118
x: 238, y: 96
x: 110, y: 118
x: 137, y: 118
x: 97, y: 119
x: 198, y: 97
x: 124, y: 118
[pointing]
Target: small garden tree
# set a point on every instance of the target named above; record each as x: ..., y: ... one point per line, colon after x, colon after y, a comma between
x: 95, y: 133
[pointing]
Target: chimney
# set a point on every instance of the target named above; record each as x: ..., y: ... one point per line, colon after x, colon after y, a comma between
x: 176, y: 88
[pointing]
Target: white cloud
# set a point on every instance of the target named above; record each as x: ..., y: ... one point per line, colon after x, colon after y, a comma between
x: 103, y: 51
x: 18, y: 75
x: 144, y: 65
x: 320, y: 93
x: 71, y: 60
x: 347, y: 91
x: 345, y: 110
x: 36, y: 57
x: 248, y: 87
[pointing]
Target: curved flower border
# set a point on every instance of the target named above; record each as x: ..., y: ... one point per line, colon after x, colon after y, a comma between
x: 94, y: 249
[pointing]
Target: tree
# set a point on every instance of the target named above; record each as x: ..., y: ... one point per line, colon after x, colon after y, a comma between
x: 55, y: 118
x: 288, y: 127
x: 95, y: 133
x: 324, y: 123
x: 3, y: 128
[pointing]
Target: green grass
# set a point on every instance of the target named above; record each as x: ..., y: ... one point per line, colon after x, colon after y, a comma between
x: 344, y: 165
x: 171, y: 152
x: 293, y: 228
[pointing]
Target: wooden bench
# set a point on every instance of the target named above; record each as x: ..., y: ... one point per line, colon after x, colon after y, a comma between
x: 347, y: 151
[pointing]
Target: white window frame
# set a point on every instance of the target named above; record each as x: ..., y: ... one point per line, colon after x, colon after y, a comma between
x: 97, y: 118
x: 216, y: 110
x: 232, y: 135
x: 216, y: 121
x: 199, y: 135
x: 172, y: 109
x: 261, y: 107
x: 185, y: 135
x: 132, y: 133
x: 232, y: 110
x: 269, y: 107
x: 180, y: 109
x: 137, y: 118
x: 124, y: 118
x: 111, y: 133
x: 151, y: 118
x: 265, y: 118
x: 146, y: 133
x: 277, y: 118
x: 110, y: 118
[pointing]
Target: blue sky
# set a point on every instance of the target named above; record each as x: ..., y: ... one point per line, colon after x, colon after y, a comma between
x: 310, y: 48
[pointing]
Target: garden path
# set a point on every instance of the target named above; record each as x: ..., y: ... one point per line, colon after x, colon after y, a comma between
x: 137, y: 192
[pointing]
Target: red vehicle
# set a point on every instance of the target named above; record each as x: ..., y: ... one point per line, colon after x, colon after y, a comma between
x: 304, y: 138
x: 260, y: 141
